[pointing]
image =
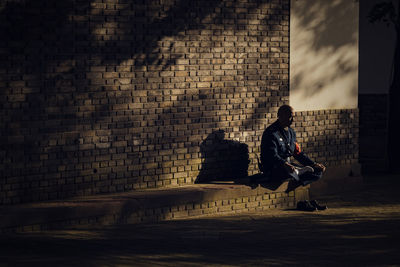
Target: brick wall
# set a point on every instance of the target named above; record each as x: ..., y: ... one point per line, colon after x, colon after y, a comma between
x: 330, y: 137
x: 116, y: 95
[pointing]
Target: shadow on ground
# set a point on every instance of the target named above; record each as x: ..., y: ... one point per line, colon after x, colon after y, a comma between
x: 358, y: 229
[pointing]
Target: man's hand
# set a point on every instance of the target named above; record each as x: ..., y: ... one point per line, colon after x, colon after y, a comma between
x: 289, y: 167
x: 319, y: 167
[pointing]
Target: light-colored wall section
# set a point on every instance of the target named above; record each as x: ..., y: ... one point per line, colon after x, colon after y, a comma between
x: 377, y: 43
x: 324, y: 54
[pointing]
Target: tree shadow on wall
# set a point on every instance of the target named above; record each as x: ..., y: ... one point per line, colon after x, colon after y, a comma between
x: 59, y: 66
x: 223, y: 160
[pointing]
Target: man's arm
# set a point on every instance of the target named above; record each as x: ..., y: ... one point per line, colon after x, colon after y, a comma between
x: 305, y: 160
x: 299, y: 155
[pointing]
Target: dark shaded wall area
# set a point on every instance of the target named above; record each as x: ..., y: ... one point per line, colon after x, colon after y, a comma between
x: 106, y: 96
x: 373, y: 132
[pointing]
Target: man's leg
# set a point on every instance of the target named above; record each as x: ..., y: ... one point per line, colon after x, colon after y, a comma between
x: 309, y: 177
x: 302, y: 176
x: 282, y: 174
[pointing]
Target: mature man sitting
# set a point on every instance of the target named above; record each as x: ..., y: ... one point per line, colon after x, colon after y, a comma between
x: 278, y: 145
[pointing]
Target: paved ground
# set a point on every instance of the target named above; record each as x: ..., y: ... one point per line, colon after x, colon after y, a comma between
x: 359, y: 229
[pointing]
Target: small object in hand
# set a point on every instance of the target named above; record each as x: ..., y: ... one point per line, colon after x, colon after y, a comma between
x: 300, y: 171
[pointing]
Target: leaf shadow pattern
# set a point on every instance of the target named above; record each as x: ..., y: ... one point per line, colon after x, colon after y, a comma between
x: 73, y: 88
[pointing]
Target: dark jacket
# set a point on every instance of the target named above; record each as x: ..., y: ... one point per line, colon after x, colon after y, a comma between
x: 277, y: 145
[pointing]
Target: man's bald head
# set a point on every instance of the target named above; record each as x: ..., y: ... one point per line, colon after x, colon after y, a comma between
x: 284, y: 110
x: 285, y: 115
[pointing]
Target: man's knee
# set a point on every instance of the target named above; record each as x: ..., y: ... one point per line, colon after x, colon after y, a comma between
x: 309, y: 178
x: 282, y: 174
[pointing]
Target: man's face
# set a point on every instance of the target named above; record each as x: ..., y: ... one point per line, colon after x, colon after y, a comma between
x: 286, y: 118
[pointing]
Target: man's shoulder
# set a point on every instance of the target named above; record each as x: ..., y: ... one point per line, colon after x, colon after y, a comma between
x: 292, y: 130
x: 271, y: 129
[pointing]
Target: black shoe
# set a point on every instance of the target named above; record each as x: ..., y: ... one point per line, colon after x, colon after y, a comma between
x: 316, y: 205
x: 305, y: 206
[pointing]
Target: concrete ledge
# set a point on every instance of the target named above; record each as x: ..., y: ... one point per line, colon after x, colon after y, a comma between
x: 146, y: 205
